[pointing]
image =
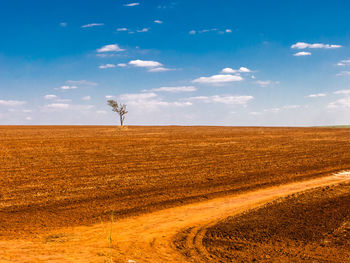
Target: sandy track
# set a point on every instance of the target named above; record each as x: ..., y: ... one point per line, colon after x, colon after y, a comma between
x: 150, y: 237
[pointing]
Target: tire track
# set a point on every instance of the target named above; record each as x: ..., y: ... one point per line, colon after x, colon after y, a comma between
x: 169, y: 235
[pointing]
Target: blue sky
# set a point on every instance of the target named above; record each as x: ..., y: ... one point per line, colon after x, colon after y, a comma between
x: 272, y: 63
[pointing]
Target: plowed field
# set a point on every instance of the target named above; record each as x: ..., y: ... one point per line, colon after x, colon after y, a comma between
x: 54, y: 178
x: 309, y: 227
x: 66, y: 176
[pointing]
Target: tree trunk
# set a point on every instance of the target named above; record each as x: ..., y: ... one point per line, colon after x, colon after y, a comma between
x: 121, y: 120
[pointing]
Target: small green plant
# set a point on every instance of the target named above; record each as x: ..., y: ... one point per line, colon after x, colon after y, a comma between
x: 110, y: 239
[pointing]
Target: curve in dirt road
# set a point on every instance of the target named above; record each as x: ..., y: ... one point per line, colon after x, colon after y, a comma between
x: 170, y: 235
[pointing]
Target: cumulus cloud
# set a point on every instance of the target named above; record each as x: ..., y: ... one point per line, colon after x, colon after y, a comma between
x: 122, y: 29
x: 143, y: 30
x: 228, y: 31
x: 316, y: 95
x: 344, y: 62
x: 303, y: 45
x: 50, y: 97
x: 158, y: 21
x: 175, y: 89
x: 107, y: 66
x: 137, y: 96
x: 227, y: 99
x: 266, y: 83
x: 92, y: 25
x: 12, y: 103
x: 341, y: 103
x: 110, y: 48
x: 57, y: 106
x: 235, y: 71
x: 66, y: 87
x: 150, y: 101
x: 343, y: 92
x: 218, y: 79
x: 145, y: 63
x: 302, y: 53
x: 132, y: 4
x: 108, y: 97
x: 229, y: 71
x: 122, y: 65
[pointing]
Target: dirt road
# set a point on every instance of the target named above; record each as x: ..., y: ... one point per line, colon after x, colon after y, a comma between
x: 170, y: 235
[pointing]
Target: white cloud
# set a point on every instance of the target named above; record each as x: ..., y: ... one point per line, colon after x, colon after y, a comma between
x: 302, y: 53
x: 344, y: 92
x: 341, y: 103
x: 66, y: 87
x: 145, y: 63
x: 107, y: 66
x: 193, y: 32
x: 57, y: 106
x: 101, y: 112
x: 158, y: 21
x: 28, y: 118
x: 344, y: 73
x: 86, y: 98
x: 227, y: 99
x: 159, y: 69
x: 229, y: 71
x: 266, y: 83
x: 303, y: 45
x: 137, y: 96
x: 110, y: 48
x: 50, y: 97
x: 235, y: 71
x: 218, y: 79
x: 132, y: 4
x: 108, y: 97
x: 63, y: 24
x: 12, y: 103
x: 244, y: 70
x: 143, y: 30
x: 175, y: 89
x: 316, y: 95
x: 122, y: 65
x: 122, y: 29
x: 81, y: 82
x: 344, y: 62
x: 150, y: 101
x: 92, y: 25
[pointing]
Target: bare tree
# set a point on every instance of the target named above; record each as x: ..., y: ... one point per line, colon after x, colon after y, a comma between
x: 118, y: 108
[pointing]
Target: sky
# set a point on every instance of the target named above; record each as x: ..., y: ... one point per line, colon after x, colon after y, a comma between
x: 175, y: 62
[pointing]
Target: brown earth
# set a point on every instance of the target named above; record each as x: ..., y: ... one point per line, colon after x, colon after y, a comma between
x: 169, y: 235
x: 308, y: 227
x: 54, y: 178
x: 57, y: 176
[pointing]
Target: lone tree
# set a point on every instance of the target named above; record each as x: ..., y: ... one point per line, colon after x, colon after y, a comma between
x: 118, y: 108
